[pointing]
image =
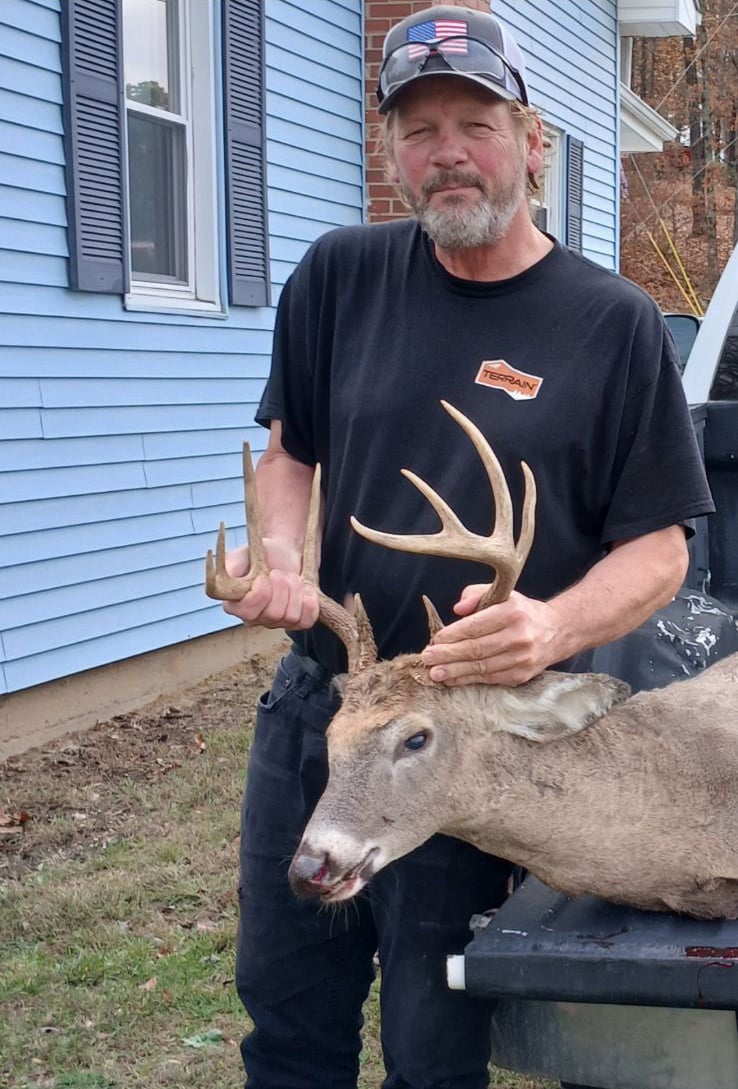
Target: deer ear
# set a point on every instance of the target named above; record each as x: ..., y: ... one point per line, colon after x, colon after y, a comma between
x: 556, y: 705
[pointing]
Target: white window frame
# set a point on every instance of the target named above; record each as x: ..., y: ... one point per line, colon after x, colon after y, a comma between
x: 202, y: 292
x: 552, y: 176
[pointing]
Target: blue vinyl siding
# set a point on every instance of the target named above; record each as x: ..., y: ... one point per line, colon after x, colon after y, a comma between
x: 120, y: 431
x: 571, y: 50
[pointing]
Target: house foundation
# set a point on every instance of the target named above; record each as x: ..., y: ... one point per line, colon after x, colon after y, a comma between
x: 35, y: 716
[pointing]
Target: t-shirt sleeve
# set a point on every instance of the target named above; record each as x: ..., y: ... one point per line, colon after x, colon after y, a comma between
x: 288, y: 395
x: 660, y: 478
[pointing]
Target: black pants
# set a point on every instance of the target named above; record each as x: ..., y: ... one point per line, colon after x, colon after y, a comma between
x: 303, y: 972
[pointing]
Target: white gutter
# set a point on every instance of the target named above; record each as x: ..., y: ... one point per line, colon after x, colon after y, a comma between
x: 641, y: 127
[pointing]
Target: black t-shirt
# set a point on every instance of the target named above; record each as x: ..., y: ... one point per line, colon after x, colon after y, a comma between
x: 372, y: 332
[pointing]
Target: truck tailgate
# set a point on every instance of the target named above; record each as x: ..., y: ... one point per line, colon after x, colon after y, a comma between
x: 544, y: 945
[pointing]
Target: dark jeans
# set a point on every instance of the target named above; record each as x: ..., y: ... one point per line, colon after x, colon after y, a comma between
x: 303, y: 971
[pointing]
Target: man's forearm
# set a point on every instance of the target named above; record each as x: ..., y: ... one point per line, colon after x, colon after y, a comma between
x: 283, y: 487
x: 621, y: 591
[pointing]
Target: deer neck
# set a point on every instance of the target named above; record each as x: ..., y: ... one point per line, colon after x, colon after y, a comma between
x: 520, y: 799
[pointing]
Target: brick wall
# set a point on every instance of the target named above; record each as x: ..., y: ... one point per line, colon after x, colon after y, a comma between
x: 379, y: 15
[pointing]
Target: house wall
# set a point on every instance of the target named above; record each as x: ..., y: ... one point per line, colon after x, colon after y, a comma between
x: 120, y: 432
x: 571, y: 52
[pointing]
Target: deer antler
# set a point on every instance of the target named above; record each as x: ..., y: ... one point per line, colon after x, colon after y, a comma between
x: 354, y: 631
x: 499, y: 550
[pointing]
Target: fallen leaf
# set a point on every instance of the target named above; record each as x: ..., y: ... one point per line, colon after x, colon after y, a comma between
x: 200, y: 743
x: 168, y: 765
x: 149, y: 985
x: 203, y: 1039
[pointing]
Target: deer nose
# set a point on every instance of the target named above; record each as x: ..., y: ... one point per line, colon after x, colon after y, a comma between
x: 308, y: 871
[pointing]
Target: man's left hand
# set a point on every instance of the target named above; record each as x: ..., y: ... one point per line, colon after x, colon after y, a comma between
x: 507, y: 643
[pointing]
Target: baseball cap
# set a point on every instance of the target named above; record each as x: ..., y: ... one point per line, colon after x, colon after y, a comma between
x: 449, y: 40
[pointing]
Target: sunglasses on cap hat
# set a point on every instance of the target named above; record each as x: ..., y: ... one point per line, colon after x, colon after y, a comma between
x: 455, y: 55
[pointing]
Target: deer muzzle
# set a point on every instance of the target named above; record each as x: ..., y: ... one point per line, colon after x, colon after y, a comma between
x: 316, y: 874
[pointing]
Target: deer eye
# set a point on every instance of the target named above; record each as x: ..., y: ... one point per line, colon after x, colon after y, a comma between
x: 417, y: 741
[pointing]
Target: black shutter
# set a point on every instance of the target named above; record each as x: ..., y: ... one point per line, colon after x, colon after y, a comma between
x: 574, y: 192
x: 243, y: 55
x: 94, y: 144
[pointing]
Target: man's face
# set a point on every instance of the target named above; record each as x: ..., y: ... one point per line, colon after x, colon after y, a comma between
x: 461, y: 161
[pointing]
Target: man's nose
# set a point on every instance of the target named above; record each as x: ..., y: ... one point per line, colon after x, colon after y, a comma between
x: 449, y: 149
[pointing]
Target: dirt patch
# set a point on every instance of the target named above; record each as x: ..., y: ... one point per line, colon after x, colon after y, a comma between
x: 71, y: 796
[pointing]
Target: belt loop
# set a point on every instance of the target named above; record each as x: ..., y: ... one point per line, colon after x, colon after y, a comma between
x: 314, y: 669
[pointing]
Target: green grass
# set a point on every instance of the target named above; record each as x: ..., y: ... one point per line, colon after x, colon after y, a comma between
x: 117, y: 954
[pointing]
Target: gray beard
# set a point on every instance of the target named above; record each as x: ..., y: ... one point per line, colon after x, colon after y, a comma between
x: 459, y: 226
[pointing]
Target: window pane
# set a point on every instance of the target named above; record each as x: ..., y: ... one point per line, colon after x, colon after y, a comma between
x: 150, y: 52
x: 157, y: 186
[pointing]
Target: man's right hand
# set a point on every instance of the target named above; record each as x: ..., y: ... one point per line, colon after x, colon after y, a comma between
x: 278, y: 600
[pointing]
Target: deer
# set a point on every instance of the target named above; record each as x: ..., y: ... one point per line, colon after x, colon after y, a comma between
x: 630, y: 798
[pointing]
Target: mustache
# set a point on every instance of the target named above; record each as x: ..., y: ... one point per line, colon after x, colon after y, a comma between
x: 443, y: 178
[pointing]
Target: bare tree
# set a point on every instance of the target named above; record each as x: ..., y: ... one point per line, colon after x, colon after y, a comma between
x: 690, y: 187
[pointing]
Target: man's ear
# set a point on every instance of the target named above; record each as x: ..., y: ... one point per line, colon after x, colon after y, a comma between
x: 536, y: 148
x: 392, y: 174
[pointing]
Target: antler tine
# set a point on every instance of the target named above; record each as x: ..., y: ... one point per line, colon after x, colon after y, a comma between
x: 366, y: 649
x: 257, y: 553
x: 434, y: 621
x: 453, y: 539
x: 498, y: 550
x: 354, y: 632
x: 218, y: 583
x: 310, y: 547
x: 503, y: 527
x: 506, y: 575
x: 504, y: 583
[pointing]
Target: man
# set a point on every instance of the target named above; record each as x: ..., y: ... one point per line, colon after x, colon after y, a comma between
x: 375, y: 326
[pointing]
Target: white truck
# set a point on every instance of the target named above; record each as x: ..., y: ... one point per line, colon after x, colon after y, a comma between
x: 589, y: 992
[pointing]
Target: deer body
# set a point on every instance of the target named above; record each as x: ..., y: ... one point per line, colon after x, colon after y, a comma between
x: 634, y: 800
x: 640, y: 806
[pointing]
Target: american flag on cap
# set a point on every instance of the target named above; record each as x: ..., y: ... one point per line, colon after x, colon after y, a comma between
x: 434, y: 29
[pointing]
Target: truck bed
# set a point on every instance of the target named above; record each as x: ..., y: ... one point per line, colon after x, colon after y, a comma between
x: 544, y: 945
